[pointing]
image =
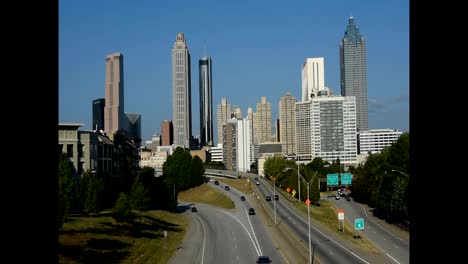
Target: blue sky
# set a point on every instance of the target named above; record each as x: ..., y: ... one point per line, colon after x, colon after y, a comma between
x: 257, y: 49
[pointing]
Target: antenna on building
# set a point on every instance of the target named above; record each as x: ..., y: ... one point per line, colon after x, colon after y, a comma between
x: 204, y: 49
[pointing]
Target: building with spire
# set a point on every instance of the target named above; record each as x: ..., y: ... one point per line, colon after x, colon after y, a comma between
x: 181, y: 93
x: 353, y: 76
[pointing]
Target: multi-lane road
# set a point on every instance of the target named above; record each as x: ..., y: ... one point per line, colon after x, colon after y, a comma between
x: 233, y: 236
x: 218, y: 235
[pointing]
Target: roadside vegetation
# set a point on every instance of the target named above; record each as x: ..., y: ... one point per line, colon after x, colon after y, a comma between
x: 207, y: 195
x: 240, y: 184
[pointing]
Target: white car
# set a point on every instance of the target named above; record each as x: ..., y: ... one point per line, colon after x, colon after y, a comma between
x: 337, y: 197
x: 258, y: 183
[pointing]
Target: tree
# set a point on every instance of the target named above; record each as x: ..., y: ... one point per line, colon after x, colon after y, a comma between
x: 197, y: 172
x: 90, y: 189
x: 139, y: 198
x: 122, y: 211
x: 147, y: 178
x: 65, y: 188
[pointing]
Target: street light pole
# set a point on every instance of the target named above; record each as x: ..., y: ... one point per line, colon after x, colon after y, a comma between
x: 298, y: 182
x: 274, y: 197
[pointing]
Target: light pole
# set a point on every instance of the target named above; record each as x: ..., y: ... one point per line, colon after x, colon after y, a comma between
x: 298, y: 183
x: 274, y: 197
x: 308, y: 183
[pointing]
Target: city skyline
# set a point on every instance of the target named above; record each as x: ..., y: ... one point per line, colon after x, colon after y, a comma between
x: 258, y: 55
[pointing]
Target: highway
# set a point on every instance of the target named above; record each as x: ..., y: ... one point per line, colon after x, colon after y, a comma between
x: 394, y: 247
x: 218, y: 235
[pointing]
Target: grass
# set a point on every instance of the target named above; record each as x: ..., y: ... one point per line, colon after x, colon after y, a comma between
x: 207, y: 195
x: 240, y: 184
x: 327, y: 215
x: 103, y: 240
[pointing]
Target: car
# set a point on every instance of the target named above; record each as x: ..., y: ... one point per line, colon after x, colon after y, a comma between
x: 258, y: 183
x: 256, y: 178
x: 268, y: 198
x: 337, y: 197
x: 194, y: 209
x: 242, y: 198
x: 216, y: 183
x: 227, y: 188
x: 347, y: 198
x: 276, y: 197
x: 251, y: 211
x: 263, y: 259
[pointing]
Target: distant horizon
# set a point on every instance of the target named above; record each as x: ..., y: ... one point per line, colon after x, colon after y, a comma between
x: 257, y: 49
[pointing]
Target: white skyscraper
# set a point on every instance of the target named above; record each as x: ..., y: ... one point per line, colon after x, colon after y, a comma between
x: 287, y: 127
x: 262, y: 122
x: 313, y: 78
x: 303, y: 147
x: 243, y: 145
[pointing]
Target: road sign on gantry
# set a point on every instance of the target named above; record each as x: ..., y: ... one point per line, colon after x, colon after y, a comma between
x: 359, y: 223
x: 332, y: 179
x: 346, y: 178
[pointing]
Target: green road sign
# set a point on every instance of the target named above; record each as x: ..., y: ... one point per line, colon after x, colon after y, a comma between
x: 359, y: 223
x: 332, y: 179
x: 346, y: 178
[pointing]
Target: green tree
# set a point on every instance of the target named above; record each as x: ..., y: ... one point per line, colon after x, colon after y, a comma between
x: 139, y: 198
x: 65, y: 188
x: 147, y: 178
x: 176, y: 175
x: 122, y: 211
x: 196, y: 172
x: 92, y: 191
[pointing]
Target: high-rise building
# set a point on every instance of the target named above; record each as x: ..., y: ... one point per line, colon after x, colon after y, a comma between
x: 313, y: 78
x: 98, y: 114
x: 353, y: 76
x: 333, y: 128
x: 132, y: 126
x: 243, y: 146
x: 262, y: 122
x: 303, y: 146
x: 287, y: 131
x: 167, y: 132
x: 181, y: 93
x: 236, y: 112
x: 253, y: 156
x: 206, y: 102
x: 230, y: 144
x: 114, y: 115
x: 223, y: 113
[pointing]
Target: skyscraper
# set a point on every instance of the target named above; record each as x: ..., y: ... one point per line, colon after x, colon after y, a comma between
x: 98, y: 114
x: 287, y: 125
x: 262, y: 122
x: 206, y: 102
x: 313, y: 78
x: 223, y: 116
x: 181, y: 93
x: 353, y: 76
x: 114, y: 117
x: 303, y: 127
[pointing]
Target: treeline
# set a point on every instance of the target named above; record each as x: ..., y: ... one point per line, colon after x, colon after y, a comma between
x: 128, y: 191
x: 383, y: 182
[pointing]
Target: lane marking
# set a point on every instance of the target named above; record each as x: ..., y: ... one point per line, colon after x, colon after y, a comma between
x: 253, y: 242
x: 365, y: 212
x: 204, y: 239
x: 253, y: 232
x: 392, y: 258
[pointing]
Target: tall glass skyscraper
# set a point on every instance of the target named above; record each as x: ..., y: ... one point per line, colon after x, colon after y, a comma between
x: 206, y: 102
x: 353, y: 77
x: 181, y: 93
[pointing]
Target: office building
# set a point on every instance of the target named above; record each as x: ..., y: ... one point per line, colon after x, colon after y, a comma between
x: 206, y: 102
x: 230, y: 145
x: 303, y: 140
x: 287, y: 123
x: 353, y: 72
x: 313, y: 78
x: 133, y: 128
x: 217, y: 153
x: 98, y: 114
x: 167, y: 133
x: 236, y: 113
x: 262, y: 122
x: 375, y: 140
x: 223, y: 113
x: 114, y: 117
x: 243, y: 145
x: 181, y: 93
x: 333, y: 129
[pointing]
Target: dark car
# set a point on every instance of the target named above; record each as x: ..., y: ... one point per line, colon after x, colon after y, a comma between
x: 242, y: 198
x: 251, y: 211
x: 256, y: 178
x: 227, y: 188
x: 216, y: 183
x: 268, y: 198
x: 347, y: 198
x: 194, y: 209
x: 263, y: 259
x: 276, y: 197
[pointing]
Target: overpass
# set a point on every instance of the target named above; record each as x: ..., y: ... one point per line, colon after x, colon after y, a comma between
x: 214, y: 173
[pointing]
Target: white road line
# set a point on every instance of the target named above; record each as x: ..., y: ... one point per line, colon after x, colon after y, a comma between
x: 327, y: 236
x: 253, y: 232
x: 204, y: 239
x: 392, y: 258
x: 253, y: 242
x: 331, y: 253
x: 365, y: 212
